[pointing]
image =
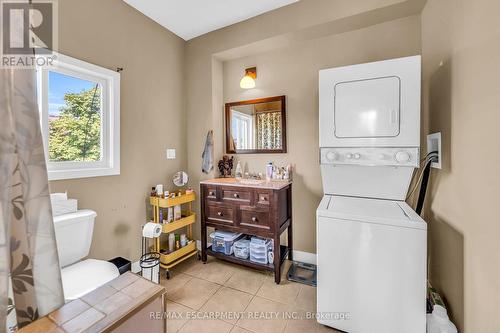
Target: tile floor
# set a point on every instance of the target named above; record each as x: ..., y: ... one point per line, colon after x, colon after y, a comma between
x: 222, y: 297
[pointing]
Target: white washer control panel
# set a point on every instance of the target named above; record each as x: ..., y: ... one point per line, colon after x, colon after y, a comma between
x: 408, y: 157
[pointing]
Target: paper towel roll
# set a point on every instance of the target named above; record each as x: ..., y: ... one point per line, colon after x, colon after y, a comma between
x: 151, y: 230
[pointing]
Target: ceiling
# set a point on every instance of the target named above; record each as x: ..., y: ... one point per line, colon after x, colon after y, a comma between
x: 191, y: 18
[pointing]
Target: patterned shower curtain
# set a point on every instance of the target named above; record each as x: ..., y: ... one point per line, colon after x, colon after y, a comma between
x: 30, y: 277
x: 269, y: 130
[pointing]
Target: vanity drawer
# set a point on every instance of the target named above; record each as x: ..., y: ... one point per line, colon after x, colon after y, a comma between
x: 211, y: 193
x: 255, y: 217
x: 263, y: 198
x: 236, y: 195
x: 220, y: 213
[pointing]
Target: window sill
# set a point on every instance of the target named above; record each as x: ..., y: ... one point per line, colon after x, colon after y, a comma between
x: 82, y: 173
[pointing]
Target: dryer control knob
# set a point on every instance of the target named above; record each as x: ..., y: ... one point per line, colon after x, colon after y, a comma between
x: 357, y: 156
x: 402, y: 156
x: 349, y: 155
x: 331, y: 156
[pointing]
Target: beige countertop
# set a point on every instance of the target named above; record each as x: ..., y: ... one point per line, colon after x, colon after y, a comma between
x: 272, y: 185
x: 101, y: 310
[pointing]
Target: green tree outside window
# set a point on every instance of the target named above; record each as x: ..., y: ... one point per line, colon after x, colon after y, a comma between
x: 76, y: 134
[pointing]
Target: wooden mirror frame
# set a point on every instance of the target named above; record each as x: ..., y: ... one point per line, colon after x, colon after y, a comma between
x: 283, y: 149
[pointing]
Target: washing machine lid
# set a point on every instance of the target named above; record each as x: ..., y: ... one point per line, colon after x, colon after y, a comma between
x: 387, y: 212
x: 85, y: 276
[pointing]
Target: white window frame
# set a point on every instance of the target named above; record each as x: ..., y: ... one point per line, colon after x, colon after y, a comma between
x: 110, y: 118
x: 248, y: 120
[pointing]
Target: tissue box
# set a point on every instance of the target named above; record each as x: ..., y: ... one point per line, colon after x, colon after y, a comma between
x: 61, y: 207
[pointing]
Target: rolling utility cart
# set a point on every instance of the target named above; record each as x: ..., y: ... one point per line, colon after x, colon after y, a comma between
x: 170, y: 259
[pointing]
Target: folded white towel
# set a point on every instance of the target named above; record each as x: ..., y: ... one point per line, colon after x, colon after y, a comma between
x: 62, y: 205
x: 58, y: 196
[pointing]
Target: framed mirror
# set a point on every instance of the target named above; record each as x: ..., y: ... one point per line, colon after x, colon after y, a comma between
x: 256, y: 126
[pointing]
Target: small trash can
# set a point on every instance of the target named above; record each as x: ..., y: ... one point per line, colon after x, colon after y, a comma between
x: 150, y: 266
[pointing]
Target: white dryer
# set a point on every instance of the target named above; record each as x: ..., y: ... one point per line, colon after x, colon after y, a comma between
x: 371, y: 105
x: 371, y: 245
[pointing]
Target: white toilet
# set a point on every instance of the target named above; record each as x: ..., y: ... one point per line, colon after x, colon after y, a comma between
x: 74, y: 236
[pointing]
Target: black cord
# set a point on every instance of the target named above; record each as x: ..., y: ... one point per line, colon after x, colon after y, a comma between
x: 423, y: 187
x: 418, y: 176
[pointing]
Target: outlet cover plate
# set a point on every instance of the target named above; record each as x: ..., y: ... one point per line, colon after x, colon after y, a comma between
x: 434, y: 144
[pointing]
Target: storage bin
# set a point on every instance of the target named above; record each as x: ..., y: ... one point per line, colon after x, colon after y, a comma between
x: 259, y: 259
x: 222, y: 241
x: 259, y: 240
x: 259, y: 250
x: 242, y: 248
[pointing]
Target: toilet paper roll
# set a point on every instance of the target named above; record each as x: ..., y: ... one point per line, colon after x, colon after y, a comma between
x: 151, y: 230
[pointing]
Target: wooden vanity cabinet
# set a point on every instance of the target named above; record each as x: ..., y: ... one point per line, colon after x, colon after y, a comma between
x: 261, y: 210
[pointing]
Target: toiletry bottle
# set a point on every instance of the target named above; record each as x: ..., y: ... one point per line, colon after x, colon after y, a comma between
x: 239, y: 172
x: 153, y: 191
x: 171, y: 242
x: 183, y: 240
x: 288, y: 172
x: 160, y: 211
x: 177, y: 241
x: 170, y: 214
x: 177, y: 212
x: 159, y: 190
x: 269, y: 171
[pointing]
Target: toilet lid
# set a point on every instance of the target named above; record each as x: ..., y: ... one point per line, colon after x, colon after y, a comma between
x: 84, y: 276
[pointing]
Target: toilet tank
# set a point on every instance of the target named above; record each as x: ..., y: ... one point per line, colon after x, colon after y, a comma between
x: 74, y: 235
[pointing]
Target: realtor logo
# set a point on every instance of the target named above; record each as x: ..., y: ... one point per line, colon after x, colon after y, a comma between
x: 29, y: 34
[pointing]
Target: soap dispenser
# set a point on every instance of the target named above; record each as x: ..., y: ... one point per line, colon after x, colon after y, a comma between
x: 239, y: 172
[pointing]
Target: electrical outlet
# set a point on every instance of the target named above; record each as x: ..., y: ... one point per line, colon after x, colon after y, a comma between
x: 171, y: 154
x: 434, y: 144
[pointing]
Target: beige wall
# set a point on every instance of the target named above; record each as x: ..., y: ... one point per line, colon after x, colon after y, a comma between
x: 293, y: 71
x: 308, y: 35
x: 112, y: 34
x: 173, y: 93
x: 461, y: 66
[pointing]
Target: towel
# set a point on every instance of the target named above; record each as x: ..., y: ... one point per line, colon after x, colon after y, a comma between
x: 208, y: 153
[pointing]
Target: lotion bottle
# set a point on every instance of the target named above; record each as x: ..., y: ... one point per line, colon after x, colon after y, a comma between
x: 269, y: 171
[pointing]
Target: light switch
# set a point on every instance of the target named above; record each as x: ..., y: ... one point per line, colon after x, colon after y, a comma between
x: 171, y: 154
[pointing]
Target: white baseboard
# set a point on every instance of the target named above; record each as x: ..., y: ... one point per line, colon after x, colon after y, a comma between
x: 305, y: 257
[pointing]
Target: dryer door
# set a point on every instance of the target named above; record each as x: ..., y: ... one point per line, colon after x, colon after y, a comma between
x: 367, y: 108
x: 370, y: 105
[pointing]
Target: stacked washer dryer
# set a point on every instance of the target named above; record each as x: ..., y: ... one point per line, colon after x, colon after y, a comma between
x: 371, y: 246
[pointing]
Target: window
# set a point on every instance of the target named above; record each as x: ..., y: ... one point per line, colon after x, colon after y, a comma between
x: 242, y: 130
x: 80, y: 117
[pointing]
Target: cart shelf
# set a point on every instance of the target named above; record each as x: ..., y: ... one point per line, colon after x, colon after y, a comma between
x: 183, y: 222
x: 170, y: 202
x: 171, y: 259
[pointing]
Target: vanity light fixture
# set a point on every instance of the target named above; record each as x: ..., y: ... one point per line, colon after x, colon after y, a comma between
x: 248, y: 81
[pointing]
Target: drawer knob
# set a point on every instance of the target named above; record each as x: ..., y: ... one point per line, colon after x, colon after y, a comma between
x: 211, y: 193
x: 254, y: 219
x: 263, y: 199
x: 236, y: 195
x: 219, y: 213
